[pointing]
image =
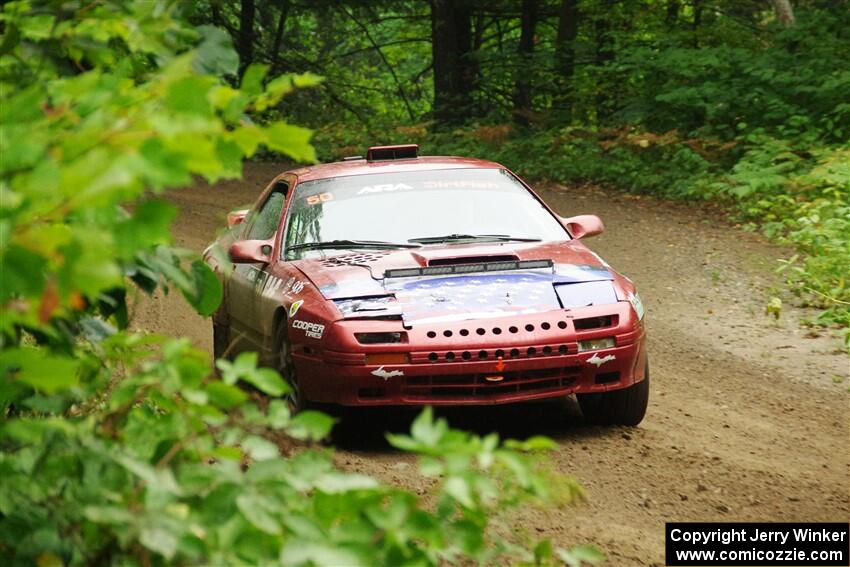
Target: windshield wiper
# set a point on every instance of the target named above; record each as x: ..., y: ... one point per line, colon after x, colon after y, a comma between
x: 341, y: 244
x: 461, y: 237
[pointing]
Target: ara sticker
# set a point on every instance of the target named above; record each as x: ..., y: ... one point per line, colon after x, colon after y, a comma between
x: 387, y: 187
x: 600, y: 361
x: 386, y: 375
x: 312, y: 330
x: 296, y: 305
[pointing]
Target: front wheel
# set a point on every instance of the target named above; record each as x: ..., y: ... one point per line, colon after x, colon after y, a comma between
x: 617, y: 407
x: 294, y: 398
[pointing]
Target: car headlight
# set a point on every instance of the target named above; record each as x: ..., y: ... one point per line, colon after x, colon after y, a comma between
x: 380, y: 338
x: 596, y: 344
x: 637, y: 305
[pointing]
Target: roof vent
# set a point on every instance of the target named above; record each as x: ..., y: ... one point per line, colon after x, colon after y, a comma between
x: 387, y: 153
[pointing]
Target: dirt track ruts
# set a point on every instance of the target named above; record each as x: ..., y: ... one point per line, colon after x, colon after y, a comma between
x: 749, y: 417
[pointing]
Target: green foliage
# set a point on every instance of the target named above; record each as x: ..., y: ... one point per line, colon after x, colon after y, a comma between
x: 803, y: 201
x: 146, y: 457
x: 123, y: 448
x: 79, y: 146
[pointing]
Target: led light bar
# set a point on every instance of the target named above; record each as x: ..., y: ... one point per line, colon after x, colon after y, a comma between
x: 468, y: 268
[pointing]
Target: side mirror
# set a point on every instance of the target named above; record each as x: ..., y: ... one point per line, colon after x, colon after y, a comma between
x: 251, y: 252
x: 582, y: 226
x: 236, y: 217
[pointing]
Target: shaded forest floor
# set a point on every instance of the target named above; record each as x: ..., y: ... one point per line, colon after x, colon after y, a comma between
x: 748, y: 417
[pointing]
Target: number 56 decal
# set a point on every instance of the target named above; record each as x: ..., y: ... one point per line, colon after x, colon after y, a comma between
x: 320, y: 198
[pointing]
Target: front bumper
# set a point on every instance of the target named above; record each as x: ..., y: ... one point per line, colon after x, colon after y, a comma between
x: 481, y: 369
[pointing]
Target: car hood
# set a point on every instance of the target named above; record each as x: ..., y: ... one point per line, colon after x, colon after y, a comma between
x: 461, y: 282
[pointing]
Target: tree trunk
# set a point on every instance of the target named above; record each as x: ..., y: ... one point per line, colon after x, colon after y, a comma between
x: 672, y: 16
x: 522, y: 89
x: 565, y: 59
x: 696, y: 22
x: 451, y: 36
x: 245, y: 45
x: 274, y: 56
x: 604, y: 55
x: 784, y: 11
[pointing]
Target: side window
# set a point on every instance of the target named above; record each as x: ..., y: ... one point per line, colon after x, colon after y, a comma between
x: 268, y: 217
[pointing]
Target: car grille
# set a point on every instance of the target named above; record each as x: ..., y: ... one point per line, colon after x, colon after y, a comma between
x: 476, y: 386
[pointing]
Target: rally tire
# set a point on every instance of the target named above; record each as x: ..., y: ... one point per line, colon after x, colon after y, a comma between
x: 286, y: 367
x: 626, y: 406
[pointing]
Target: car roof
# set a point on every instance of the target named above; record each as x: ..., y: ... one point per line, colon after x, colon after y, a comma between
x: 364, y: 167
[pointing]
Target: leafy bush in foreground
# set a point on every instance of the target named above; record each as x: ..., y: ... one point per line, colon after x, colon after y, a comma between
x: 169, y: 464
x: 121, y: 448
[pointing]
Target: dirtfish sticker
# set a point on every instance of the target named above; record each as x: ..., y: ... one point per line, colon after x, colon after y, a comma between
x: 600, y: 361
x: 296, y: 305
x: 312, y: 330
x: 386, y: 375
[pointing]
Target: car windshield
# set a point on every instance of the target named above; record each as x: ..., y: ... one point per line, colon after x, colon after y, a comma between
x: 447, y: 206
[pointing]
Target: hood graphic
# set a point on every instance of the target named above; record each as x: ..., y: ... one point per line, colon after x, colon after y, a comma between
x: 360, y: 289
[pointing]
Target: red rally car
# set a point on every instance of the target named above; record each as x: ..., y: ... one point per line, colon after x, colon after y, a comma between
x: 406, y: 280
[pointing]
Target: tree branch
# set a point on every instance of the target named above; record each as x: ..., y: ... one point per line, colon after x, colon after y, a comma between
x: 368, y: 35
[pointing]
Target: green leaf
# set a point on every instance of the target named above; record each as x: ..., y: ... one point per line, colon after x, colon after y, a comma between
x: 156, y: 479
x: 38, y: 369
x: 458, y: 488
x: 160, y: 540
x: 579, y: 555
x: 37, y: 26
x: 543, y: 552
x: 224, y: 395
x: 252, y: 80
x: 260, y: 512
x: 535, y: 443
x: 310, y: 425
x: 300, y: 552
x: 244, y: 364
x: 426, y: 430
x: 22, y: 273
x: 249, y: 137
x: 215, y: 54
x: 162, y: 166
x: 230, y: 155
x: 109, y: 515
x: 148, y: 226
x: 278, y: 414
x: 267, y: 381
x: 188, y: 96
x: 22, y: 147
x: 205, y: 291
x: 293, y: 141
x: 334, y: 482
x: 259, y: 449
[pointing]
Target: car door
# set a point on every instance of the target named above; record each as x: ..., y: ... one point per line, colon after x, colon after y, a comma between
x: 247, y: 279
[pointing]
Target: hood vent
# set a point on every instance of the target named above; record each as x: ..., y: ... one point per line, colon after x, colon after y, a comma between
x: 481, y: 267
x: 470, y: 260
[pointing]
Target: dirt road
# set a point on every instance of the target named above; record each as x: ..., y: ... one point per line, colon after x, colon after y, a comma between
x: 749, y: 417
